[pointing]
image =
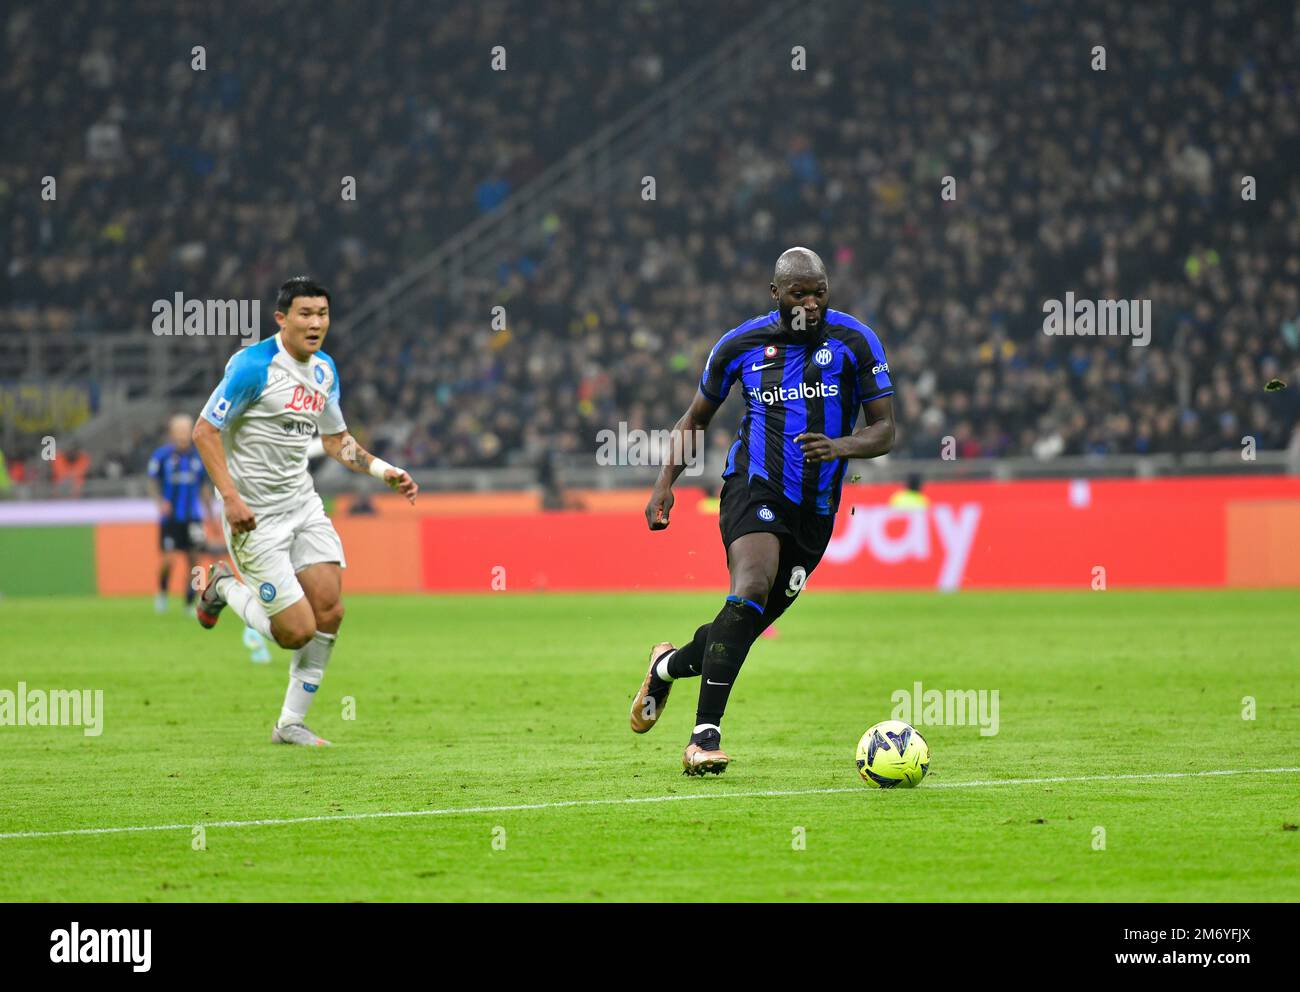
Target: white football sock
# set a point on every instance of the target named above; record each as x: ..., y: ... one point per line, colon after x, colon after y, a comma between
x: 706, y: 726
x: 661, y: 666
x: 239, y: 597
x: 305, y: 673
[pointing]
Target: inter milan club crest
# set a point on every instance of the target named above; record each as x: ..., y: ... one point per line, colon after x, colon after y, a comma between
x: 769, y: 351
x: 823, y: 357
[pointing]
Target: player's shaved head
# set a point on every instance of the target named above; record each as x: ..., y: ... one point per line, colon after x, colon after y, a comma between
x: 797, y: 263
x: 800, y: 289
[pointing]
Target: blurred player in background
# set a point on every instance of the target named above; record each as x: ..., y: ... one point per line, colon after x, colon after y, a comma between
x: 805, y: 370
x: 254, y: 436
x: 178, y: 484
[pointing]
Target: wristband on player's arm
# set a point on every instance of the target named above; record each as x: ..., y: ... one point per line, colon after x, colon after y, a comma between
x: 378, y: 467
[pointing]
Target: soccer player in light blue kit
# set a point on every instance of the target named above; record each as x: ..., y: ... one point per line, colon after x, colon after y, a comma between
x: 253, y: 437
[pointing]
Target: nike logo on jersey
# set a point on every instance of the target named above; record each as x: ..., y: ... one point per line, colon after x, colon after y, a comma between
x: 759, y: 368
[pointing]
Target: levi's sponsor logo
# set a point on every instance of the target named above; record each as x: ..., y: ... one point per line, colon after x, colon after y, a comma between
x: 306, y: 400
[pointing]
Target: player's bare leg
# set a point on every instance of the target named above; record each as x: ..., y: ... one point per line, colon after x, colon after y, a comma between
x: 753, y: 560
x: 294, y: 626
x: 311, y: 629
x: 323, y: 584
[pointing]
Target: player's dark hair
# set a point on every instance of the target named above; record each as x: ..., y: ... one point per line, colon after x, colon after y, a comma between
x: 296, y: 287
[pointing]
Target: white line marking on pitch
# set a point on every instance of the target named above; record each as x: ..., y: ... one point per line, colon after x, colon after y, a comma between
x: 569, y: 804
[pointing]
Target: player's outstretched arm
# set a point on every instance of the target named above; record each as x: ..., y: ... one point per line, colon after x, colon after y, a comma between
x: 873, y: 439
x: 696, y: 418
x: 345, y: 450
x: 207, y: 442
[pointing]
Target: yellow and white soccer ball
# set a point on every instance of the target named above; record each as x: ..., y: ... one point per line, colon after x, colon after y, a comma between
x: 891, y: 754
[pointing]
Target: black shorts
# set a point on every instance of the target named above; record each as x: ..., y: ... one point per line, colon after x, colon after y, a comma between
x: 751, y: 506
x: 181, y: 535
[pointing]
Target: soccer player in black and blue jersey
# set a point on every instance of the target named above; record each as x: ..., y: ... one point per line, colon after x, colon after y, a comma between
x: 179, y: 485
x: 805, y: 370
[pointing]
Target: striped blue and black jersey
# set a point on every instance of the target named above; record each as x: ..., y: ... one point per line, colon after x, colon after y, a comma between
x: 180, y: 475
x: 796, y: 384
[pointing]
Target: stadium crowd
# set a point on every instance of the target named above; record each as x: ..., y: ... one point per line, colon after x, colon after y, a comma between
x: 1166, y: 176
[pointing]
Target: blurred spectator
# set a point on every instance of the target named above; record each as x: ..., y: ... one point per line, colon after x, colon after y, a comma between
x: 68, y: 471
x: 1118, y: 184
x: 910, y: 496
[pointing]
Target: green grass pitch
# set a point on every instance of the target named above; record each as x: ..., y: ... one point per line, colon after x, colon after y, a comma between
x: 464, y: 705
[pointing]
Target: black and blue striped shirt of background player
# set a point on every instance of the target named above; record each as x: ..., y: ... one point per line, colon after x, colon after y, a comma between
x: 815, y: 382
x: 180, y: 475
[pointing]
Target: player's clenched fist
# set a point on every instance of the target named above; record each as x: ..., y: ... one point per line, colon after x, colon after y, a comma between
x: 239, y: 516
x: 657, y: 510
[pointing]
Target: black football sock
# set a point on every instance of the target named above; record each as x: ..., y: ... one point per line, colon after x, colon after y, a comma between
x: 163, y: 578
x: 686, y: 661
x: 730, y: 636
x: 190, y: 593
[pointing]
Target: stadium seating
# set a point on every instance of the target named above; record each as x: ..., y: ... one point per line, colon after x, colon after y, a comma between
x: 1122, y: 183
